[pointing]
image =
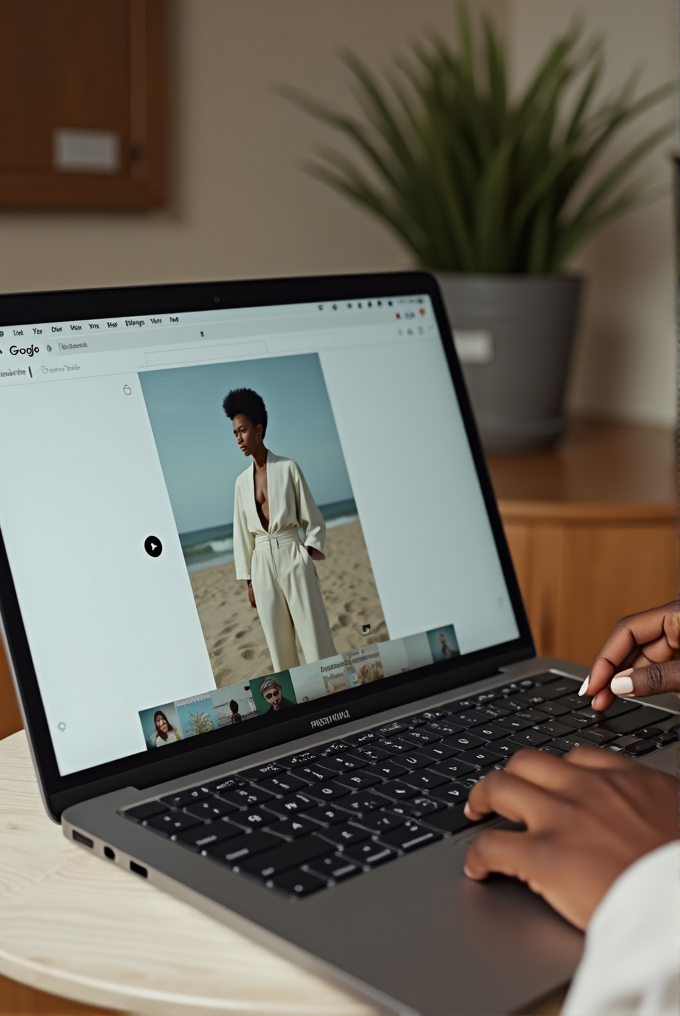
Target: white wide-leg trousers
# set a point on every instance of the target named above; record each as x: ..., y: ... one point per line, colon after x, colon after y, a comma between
x: 288, y: 598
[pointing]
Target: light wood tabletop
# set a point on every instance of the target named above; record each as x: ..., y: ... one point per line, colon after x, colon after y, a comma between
x: 76, y: 927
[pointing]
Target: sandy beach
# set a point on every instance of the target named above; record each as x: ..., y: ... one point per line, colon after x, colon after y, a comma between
x: 232, y: 630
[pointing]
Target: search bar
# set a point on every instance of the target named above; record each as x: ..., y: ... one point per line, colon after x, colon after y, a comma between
x: 206, y: 354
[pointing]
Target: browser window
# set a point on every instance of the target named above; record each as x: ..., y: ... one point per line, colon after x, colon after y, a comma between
x: 180, y: 570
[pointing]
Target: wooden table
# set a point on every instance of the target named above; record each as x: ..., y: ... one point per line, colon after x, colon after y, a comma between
x: 74, y: 926
x: 590, y: 524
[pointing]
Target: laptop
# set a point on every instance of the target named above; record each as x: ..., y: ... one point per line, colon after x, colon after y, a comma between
x: 265, y: 629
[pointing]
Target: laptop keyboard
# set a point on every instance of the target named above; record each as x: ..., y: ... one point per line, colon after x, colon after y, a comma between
x: 310, y: 820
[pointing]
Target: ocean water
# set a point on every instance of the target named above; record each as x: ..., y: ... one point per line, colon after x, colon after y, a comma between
x: 205, y: 548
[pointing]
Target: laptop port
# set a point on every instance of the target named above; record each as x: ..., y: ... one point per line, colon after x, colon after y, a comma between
x: 109, y: 853
x: 79, y: 838
x: 138, y: 869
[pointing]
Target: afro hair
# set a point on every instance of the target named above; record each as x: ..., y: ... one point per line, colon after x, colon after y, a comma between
x: 248, y: 403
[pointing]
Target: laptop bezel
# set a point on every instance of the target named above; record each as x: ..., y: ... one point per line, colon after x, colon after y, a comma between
x: 192, y: 755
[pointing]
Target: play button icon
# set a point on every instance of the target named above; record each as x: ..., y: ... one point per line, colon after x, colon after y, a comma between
x: 153, y: 546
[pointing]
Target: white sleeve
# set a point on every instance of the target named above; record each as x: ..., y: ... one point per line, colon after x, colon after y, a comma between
x: 310, y: 518
x: 244, y: 542
x: 631, y: 962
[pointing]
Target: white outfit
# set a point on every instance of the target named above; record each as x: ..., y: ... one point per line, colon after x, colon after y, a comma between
x: 285, y: 583
x: 170, y: 739
x: 631, y: 962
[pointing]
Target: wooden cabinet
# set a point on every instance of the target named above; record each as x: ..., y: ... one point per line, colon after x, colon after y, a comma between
x: 82, y: 103
x: 590, y: 526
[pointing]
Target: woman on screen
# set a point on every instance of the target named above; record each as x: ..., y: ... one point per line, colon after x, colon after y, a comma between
x: 271, y: 503
x: 165, y: 732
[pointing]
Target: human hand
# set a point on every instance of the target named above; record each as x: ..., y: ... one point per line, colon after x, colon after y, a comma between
x: 588, y: 816
x: 638, y: 657
x: 251, y: 596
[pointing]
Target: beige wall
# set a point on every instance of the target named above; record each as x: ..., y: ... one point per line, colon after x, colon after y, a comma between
x: 625, y: 358
x: 240, y: 205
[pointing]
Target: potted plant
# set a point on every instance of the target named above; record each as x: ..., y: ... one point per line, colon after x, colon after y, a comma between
x: 494, y: 193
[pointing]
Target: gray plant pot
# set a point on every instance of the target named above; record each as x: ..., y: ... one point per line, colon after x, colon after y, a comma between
x: 514, y: 335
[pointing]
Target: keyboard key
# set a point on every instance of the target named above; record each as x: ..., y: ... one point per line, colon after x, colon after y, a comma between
x: 334, y: 748
x: 565, y: 746
x: 409, y: 837
x: 552, y: 709
x: 210, y: 808
x: 244, y: 846
x: 333, y: 867
x: 494, y: 710
x: 443, y: 728
x: 628, y: 723
x: 358, y: 781
x: 530, y: 714
x: 172, y: 822
x: 552, y: 750
x: 315, y: 773
x: 418, y: 759
x: 574, y: 740
x: 322, y: 792
x: 372, y: 754
x: 513, y: 724
x: 506, y: 747
x: 360, y: 804
x: 451, y: 793
x: 344, y: 763
x: 201, y: 836
x: 575, y: 721
x: 530, y: 738
x: 450, y: 820
x: 481, y: 757
x: 225, y: 784
x: 618, y: 707
x: 559, y: 687
x: 301, y: 758
x: 554, y: 728
x: 421, y: 737
x: 395, y: 745
x: 387, y: 770
x: 424, y: 779
x: 262, y: 772
x: 573, y: 701
x: 658, y: 736
x: 489, y: 731
x: 292, y: 828
x: 637, y: 748
x: 433, y: 715
x: 414, y: 721
x: 366, y: 737
x: 528, y: 698
x: 463, y: 742
x: 251, y: 818
x: 327, y: 816
x: 468, y: 718
x: 184, y: 797
x: 282, y: 785
x: 415, y: 808
x: 341, y: 835
x: 297, y: 883
x: 436, y: 753
x: 453, y: 768
x: 295, y: 804
x: 247, y: 796
x: 597, y: 736
x: 142, y: 812
x: 395, y: 791
x: 390, y: 729
x: 369, y: 854
x: 377, y: 821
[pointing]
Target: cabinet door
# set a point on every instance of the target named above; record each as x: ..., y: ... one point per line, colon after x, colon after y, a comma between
x: 82, y: 103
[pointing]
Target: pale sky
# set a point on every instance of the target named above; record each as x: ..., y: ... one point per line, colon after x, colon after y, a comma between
x: 198, y: 451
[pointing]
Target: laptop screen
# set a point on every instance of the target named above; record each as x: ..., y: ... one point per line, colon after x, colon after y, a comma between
x: 216, y: 518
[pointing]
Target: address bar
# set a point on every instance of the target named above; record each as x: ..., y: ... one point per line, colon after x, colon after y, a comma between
x: 206, y: 354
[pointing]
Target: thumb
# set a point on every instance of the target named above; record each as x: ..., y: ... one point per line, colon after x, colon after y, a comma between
x: 652, y: 680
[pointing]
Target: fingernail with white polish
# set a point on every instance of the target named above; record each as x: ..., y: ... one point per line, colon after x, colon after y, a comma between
x: 622, y: 684
x: 584, y: 687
